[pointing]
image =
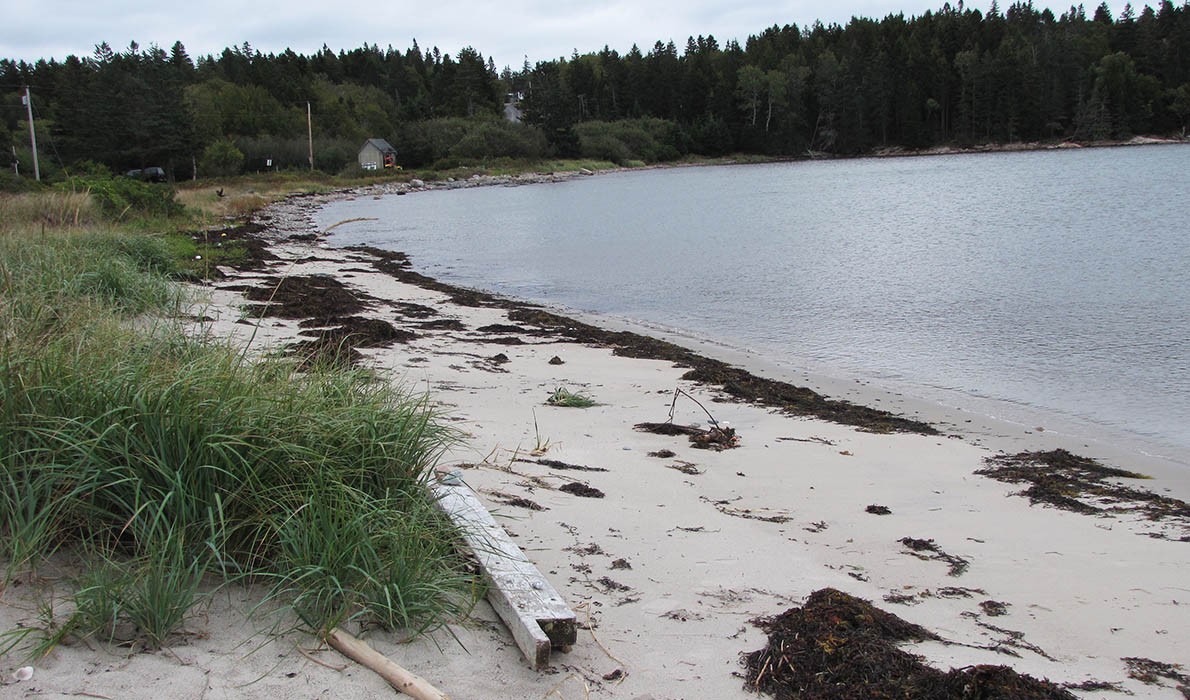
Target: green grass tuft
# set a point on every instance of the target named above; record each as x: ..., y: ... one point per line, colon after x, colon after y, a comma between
x: 165, y: 461
x: 568, y: 399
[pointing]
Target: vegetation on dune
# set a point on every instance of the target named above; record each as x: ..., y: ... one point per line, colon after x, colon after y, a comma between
x: 569, y: 399
x: 957, y: 75
x: 164, y: 464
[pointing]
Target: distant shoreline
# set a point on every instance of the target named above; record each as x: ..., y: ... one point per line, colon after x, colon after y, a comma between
x: 467, y: 178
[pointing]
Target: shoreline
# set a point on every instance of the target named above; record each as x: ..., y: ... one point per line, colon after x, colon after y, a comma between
x: 664, y: 530
x: 684, y: 547
x: 401, y: 187
x: 999, y: 423
x: 1117, y: 448
x: 496, y: 436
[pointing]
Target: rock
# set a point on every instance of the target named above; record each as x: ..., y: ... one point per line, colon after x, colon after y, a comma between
x: 555, y: 360
x: 417, y: 183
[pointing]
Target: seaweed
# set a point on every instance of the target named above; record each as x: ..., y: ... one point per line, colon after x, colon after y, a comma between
x: 339, y: 343
x: 717, y: 438
x: 509, y: 499
x: 1151, y: 672
x: 958, y: 565
x: 564, y: 466
x: 1059, y: 479
x: 737, y: 383
x: 582, y: 490
x: 837, y: 646
x: 319, y: 297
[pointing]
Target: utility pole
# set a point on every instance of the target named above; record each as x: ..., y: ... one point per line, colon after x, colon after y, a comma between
x: 310, y: 134
x: 32, y: 132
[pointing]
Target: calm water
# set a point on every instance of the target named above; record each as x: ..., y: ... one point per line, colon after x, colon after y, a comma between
x: 1050, y: 281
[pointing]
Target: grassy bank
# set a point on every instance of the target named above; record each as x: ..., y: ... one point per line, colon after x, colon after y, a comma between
x: 162, y: 465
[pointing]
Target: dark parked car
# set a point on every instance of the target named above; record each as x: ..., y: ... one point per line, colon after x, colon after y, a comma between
x: 147, y: 174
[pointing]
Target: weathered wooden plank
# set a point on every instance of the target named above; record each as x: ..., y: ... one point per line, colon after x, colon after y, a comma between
x: 527, y: 603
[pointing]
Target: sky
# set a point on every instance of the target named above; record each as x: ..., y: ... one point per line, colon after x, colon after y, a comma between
x: 508, y: 32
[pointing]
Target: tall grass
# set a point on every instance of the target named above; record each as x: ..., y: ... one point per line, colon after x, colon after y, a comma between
x: 51, y: 209
x: 164, y: 460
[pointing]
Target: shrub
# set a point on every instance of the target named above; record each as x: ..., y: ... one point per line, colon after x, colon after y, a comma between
x: 221, y: 158
x: 284, y: 152
x: 501, y: 139
x: 453, y: 140
x: 330, y: 155
x: 647, y: 139
x: 11, y: 182
x: 118, y: 197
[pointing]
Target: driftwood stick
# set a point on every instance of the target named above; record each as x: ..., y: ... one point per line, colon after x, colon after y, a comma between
x: 408, y: 683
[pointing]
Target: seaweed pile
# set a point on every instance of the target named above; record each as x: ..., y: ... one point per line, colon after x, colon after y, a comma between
x: 1063, y: 480
x: 319, y: 297
x: 837, y: 646
x: 716, y: 438
x: 337, y: 343
x: 1152, y: 672
x: 329, y: 311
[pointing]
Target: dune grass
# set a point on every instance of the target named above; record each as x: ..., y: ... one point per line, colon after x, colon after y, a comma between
x: 51, y: 209
x: 166, y: 465
x: 569, y: 399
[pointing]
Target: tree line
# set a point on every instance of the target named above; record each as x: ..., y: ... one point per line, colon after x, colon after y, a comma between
x: 954, y: 76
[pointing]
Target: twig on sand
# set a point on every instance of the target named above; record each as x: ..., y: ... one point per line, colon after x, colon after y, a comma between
x: 674, y: 404
x: 334, y: 667
x: 404, y: 681
x: 591, y: 628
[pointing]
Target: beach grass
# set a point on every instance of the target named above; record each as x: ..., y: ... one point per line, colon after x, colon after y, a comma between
x: 167, y: 464
x: 569, y: 399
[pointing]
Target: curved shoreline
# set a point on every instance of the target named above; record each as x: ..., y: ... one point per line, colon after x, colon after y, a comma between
x: 668, y: 548
x: 296, y: 218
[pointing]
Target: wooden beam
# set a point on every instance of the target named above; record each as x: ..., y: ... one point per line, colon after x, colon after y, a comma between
x: 527, y: 603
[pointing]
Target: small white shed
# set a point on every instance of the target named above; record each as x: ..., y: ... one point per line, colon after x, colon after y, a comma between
x: 376, y: 154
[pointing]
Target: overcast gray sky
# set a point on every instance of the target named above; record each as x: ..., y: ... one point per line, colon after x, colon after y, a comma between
x: 507, y: 31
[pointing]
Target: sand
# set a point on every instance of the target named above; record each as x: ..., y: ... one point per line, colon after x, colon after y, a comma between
x: 669, y: 568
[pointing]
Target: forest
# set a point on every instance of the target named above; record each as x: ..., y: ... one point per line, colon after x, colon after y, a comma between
x: 958, y: 76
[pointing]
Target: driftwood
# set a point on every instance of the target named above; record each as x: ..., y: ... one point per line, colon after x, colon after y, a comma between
x: 408, y: 683
x: 534, y: 612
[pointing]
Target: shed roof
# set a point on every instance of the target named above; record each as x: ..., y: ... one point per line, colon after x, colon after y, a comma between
x: 380, y: 145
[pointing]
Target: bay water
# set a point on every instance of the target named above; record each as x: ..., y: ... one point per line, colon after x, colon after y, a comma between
x: 1022, y: 285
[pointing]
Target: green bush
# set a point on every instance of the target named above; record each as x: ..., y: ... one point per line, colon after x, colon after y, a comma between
x: 647, y: 139
x: 221, y: 158
x: 454, y: 140
x: 284, y: 152
x: 501, y: 139
x: 89, y: 168
x: 121, y: 197
x: 11, y: 182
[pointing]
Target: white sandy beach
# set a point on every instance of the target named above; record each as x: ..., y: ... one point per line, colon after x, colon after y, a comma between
x: 667, y: 570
